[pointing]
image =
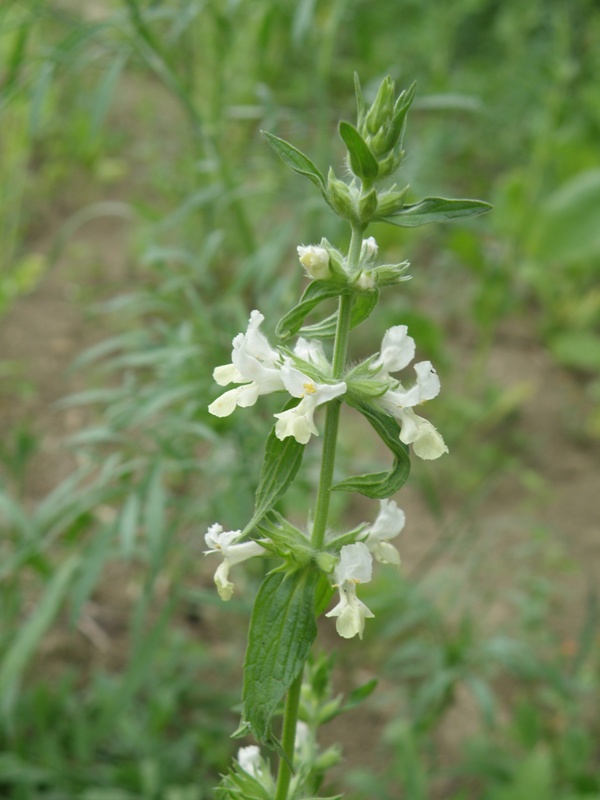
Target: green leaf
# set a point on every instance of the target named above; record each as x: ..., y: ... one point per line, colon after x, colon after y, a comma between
x: 282, y: 630
x: 566, y: 229
x: 316, y: 292
x: 436, y: 209
x: 295, y: 160
x: 363, y: 162
x: 364, y: 303
x: 281, y: 463
x: 30, y: 633
x: 380, y: 485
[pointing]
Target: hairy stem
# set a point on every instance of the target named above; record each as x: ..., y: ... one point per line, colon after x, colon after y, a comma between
x: 340, y: 348
x: 333, y: 409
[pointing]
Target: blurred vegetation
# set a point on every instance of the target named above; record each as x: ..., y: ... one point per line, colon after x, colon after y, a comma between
x: 151, y: 111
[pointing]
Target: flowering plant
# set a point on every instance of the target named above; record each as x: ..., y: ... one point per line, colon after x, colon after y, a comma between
x: 314, y: 562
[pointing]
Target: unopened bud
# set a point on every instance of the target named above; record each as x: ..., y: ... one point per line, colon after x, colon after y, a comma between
x: 367, y: 206
x: 366, y: 282
x: 340, y: 197
x: 391, y: 202
x: 390, y: 164
x: 328, y: 759
x: 382, y: 109
x: 315, y: 260
x: 369, y: 249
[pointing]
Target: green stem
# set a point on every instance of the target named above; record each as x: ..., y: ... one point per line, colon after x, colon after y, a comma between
x: 333, y: 409
x: 288, y: 737
x: 290, y: 714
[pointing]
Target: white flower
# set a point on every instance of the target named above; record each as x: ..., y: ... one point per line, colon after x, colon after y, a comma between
x: 299, y: 421
x: 369, y: 249
x: 390, y: 521
x: 354, y: 567
x: 250, y: 761
x: 426, y: 440
x: 315, y: 260
x: 366, y: 281
x: 225, y: 542
x: 256, y: 365
x: 397, y: 349
x: 310, y: 350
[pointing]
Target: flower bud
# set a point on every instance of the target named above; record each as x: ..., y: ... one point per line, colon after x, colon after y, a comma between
x: 315, y: 260
x: 369, y: 249
x: 390, y: 164
x: 392, y: 201
x: 329, y: 758
x: 340, y: 197
x: 391, y: 274
x: 366, y: 281
x: 367, y: 206
x: 382, y: 109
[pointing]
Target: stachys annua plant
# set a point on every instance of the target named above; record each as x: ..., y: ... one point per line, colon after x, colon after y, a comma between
x: 312, y: 369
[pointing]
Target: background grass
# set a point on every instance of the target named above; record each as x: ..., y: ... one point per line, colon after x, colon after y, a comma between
x: 137, y: 194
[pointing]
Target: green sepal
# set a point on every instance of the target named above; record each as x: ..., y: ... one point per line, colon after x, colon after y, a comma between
x: 354, y: 699
x: 341, y: 197
x: 379, y: 485
x: 336, y: 543
x: 436, y: 209
x: 392, y: 201
x: 285, y: 540
x: 362, y: 161
x: 242, y: 730
x: 362, y: 380
x: 360, y: 101
x: 391, y: 274
x: 281, y: 463
x: 295, y: 159
x: 282, y: 629
x: 240, y: 785
x: 316, y: 292
x: 333, y: 797
x: 364, y: 303
x: 367, y: 206
x: 403, y: 103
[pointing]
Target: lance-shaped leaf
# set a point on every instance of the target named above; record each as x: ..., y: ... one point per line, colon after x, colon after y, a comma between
x: 316, y: 292
x: 295, y: 159
x: 364, y: 303
x: 380, y: 485
x: 281, y: 463
x: 282, y: 629
x: 436, y: 209
x: 362, y: 161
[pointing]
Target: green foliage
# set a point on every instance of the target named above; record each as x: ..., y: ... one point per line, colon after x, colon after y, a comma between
x: 436, y: 209
x: 282, y: 630
x: 161, y: 103
x: 380, y: 485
